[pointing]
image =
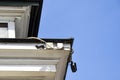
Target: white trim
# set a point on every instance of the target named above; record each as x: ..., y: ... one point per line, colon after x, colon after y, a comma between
x: 61, y: 67
x: 26, y: 75
x: 17, y: 46
x: 46, y: 68
x: 60, y: 55
x: 20, y: 15
x: 6, y: 19
x: 35, y: 54
x: 11, y: 29
x: 28, y: 62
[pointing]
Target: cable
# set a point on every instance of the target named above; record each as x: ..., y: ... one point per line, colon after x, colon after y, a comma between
x: 37, y: 39
x: 41, y: 40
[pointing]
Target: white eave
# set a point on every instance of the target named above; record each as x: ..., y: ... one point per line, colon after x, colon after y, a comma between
x: 40, y: 58
x: 25, y: 61
x: 19, y: 15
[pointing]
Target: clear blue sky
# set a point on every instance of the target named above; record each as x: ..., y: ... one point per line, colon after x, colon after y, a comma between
x: 95, y: 25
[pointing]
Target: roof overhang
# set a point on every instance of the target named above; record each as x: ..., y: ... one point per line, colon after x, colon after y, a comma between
x: 25, y: 13
x: 21, y: 59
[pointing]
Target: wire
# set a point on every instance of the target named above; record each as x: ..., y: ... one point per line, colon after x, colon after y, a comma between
x: 41, y: 40
x: 37, y: 39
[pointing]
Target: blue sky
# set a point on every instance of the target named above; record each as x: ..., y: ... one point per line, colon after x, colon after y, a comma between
x: 95, y: 25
